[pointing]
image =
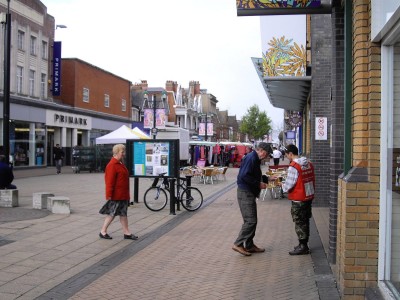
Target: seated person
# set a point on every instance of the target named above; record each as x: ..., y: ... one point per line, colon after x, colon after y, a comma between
x: 6, y: 175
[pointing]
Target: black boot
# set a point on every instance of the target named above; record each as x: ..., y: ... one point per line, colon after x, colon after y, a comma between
x: 301, y: 249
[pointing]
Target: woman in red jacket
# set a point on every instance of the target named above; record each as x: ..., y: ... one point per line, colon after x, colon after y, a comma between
x: 117, y: 194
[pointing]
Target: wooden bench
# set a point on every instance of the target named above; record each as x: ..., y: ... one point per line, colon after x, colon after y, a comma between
x: 59, y: 205
x: 8, y: 198
x: 40, y: 200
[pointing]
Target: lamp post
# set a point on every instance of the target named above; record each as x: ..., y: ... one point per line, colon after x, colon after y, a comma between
x: 154, y: 129
x: 6, y: 90
x: 206, y: 125
x: 154, y: 104
x: 205, y: 137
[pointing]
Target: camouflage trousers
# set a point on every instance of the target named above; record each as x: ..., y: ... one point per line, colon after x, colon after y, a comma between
x: 301, y: 214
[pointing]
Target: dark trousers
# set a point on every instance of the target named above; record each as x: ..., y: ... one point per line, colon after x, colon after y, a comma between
x: 9, y: 187
x: 248, y: 208
x: 276, y: 161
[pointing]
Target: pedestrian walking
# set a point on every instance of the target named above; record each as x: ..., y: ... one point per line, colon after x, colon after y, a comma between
x: 276, y: 155
x: 117, y: 194
x: 250, y: 183
x: 6, y: 175
x: 58, y: 157
x: 300, y: 185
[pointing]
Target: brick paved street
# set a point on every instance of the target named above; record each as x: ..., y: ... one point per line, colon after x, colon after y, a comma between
x: 182, y: 256
x: 195, y: 261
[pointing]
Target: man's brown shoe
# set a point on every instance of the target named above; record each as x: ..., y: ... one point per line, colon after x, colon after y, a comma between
x: 241, y: 250
x: 255, y: 249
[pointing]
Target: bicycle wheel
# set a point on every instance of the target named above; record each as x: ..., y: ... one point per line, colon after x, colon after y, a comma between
x: 155, y: 198
x: 191, y: 199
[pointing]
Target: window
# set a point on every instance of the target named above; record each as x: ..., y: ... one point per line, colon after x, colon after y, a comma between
x: 20, y: 40
x: 123, y: 103
x: 391, y: 115
x: 44, y: 50
x: 43, y: 86
x: 85, y: 95
x: 31, y: 83
x: 20, y: 71
x: 33, y: 45
x: 106, y: 100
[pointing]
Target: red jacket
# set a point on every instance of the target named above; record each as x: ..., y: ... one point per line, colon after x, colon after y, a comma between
x: 117, y: 181
x: 304, y: 187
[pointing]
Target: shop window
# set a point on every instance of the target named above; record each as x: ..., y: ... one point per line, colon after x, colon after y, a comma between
x: 27, y: 143
x: 394, y: 166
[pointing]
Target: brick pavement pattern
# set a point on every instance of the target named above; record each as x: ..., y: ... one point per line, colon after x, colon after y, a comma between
x: 183, y: 256
x: 195, y: 260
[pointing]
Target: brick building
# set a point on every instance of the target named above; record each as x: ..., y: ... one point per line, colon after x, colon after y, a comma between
x: 355, y: 63
x: 37, y: 120
x: 105, y: 97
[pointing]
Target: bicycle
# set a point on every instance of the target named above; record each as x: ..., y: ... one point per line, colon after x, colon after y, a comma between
x: 156, y: 198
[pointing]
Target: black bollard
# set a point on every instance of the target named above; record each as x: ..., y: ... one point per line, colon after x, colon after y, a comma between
x: 136, y: 190
x: 172, y: 196
x: 188, y: 180
x: 178, y: 203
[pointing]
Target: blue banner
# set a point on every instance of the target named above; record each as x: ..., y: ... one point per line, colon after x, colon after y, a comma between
x: 56, y: 84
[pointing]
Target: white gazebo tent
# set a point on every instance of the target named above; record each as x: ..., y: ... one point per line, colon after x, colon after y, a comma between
x: 120, y: 135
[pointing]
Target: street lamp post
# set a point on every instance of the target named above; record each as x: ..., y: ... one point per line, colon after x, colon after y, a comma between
x: 206, y: 128
x: 161, y: 116
x: 154, y: 129
x: 6, y: 90
x: 206, y: 124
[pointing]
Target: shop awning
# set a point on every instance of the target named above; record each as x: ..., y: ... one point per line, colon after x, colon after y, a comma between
x: 261, y: 8
x: 202, y: 143
x: 287, y: 92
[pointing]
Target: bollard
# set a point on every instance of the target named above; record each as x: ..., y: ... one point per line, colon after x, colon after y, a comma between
x: 188, y: 180
x: 136, y: 190
x: 188, y: 184
x: 172, y: 196
x: 179, y: 191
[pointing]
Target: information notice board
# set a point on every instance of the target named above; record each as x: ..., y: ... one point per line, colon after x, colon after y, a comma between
x: 149, y: 158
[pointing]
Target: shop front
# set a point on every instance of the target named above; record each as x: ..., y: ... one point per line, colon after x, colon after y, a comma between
x: 386, y: 30
x: 35, y: 131
x: 27, y: 143
x: 68, y: 130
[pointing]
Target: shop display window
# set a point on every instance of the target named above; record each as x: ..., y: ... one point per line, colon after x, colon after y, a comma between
x: 27, y: 143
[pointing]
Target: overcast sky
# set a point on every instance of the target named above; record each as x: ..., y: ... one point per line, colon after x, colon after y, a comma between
x: 179, y: 40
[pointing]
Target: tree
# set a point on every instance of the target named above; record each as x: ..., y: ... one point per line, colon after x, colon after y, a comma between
x: 255, y: 124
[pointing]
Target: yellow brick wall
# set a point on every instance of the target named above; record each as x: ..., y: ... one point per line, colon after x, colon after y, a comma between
x: 358, y: 202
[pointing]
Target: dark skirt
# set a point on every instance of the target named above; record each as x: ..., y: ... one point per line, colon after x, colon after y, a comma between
x: 115, y: 208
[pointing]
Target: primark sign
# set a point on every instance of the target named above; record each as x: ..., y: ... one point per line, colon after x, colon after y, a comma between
x: 68, y: 120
